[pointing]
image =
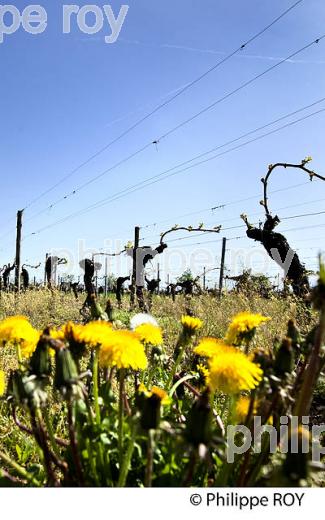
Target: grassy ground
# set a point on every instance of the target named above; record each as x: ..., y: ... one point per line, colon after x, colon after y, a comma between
x: 44, y: 308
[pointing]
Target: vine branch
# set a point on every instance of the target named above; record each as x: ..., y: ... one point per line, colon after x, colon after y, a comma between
x: 190, y: 229
x: 32, y: 266
x: 272, y: 167
x: 109, y: 254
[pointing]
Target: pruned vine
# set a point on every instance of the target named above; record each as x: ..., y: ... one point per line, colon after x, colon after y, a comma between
x: 276, y: 244
x: 272, y: 167
x: 190, y: 229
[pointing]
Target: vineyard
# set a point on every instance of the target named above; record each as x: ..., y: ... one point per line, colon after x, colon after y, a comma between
x: 128, y: 399
x: 162, y: 267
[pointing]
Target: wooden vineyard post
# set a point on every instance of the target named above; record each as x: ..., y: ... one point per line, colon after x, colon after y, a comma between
x: 106, y: 276
x: 158, y: 277
x: 134, y: 269
x: 45, y: 277
x: 222, y: 265
x: 18, y: 249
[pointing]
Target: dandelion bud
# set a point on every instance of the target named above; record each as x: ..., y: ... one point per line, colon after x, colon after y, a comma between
x: 262, y: 358
x: 40, y: 362
x: 150, y: 416
x: 149, y: 404
x: 110, y: 311
x: 16, y: 390
x: 295, y: 466
x: 66, y: 373
x: 294, y: 334
x: 284, y: 358
x: 97, y: 312
x: 318, y: 293
x: 180, y: 390
x: 26, y: 390
x: 199, y: 421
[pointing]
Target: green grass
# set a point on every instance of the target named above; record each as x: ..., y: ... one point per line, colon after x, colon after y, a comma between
x: 43, y: 308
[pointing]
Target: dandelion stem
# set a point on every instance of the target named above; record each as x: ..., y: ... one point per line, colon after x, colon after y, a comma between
x: 253, y: 475
x: 179, y: 382
x: 190, y: 469
x: 74, y: 445
x: 232, y: 407
x: 50, y: 432
x: 312, y: 372
x: 92, y: 462
x: 248, y: 421
x: 150, y: 375
x: 127, y: 459
x: 95, y: 387
x: 179, y: 350
x: 120, y: 416
x: 19, y: 355
x: 41, y: 439
x: 224, y: 407
x: 150, y: 452
x: 19, y: 469
x: 212, y: 400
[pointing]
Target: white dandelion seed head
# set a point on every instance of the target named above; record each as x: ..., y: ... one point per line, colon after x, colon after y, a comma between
x: 140, y: 319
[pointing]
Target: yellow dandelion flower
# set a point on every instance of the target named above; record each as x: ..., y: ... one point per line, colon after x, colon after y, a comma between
x: 57, y: 334
x: 203, y: 373
x: 69, y: 332
x: 2, y: 383
x: 191, y: 324
x: 149, y: 334
x: 28, y: 346
x: 93, y: 333
x: 161, y: 394
x: 242, y: 409
x: 122, y: 349
x: 13, y: 329
x: 155, y: 391
x: 232, y: 372
x: 18, y: 331
x: 142, y: 389
x: 202, y: 369
x: 243, y: 324
x: 209, y: 347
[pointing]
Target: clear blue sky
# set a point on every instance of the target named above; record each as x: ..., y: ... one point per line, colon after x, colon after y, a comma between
x: 64, y: 97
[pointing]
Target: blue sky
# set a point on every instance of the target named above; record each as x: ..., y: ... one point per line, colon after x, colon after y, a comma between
x: 64, y: 97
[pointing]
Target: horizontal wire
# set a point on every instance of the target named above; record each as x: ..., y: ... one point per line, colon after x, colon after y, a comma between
x: 167, y: 102
x: 124, y: 193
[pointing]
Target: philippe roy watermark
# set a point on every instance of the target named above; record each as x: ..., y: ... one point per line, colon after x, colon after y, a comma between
x: 287, y: 439
x: 89, y: 19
